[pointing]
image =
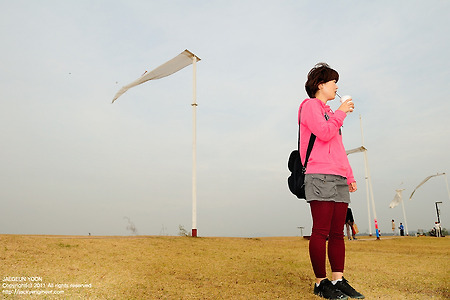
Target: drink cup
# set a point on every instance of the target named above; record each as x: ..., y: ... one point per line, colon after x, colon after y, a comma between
x: 345, y: 98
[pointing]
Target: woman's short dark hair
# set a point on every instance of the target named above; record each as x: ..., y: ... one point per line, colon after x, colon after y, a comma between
x: 321, y: 73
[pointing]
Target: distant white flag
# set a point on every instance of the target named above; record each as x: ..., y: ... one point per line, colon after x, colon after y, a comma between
x: 397, y: 199
x: 177, y: 63
x: 423, y: 182
x: 360, y: 149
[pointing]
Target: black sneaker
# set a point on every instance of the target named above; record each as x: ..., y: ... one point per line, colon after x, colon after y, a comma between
x: 347, y: 289
x: 328, y: 291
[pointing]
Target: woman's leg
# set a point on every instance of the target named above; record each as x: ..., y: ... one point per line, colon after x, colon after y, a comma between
x: 336, y: 245
x: 322, y: 212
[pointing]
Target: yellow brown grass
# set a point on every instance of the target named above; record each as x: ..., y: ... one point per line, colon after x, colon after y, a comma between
x: 146, y: 267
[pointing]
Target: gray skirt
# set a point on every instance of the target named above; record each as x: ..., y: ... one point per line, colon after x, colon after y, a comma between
x: 325, y: 187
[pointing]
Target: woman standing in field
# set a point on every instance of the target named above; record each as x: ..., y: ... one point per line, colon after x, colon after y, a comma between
x: 328, y: 181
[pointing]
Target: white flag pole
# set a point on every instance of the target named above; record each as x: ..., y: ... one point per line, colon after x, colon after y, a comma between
x: 399, y: 192
x: 370, y: 182
x: 404, y: 217
x: 367, y: 179
x: 367, y: 196
x: 177, y: 63
x: 194, y: 149
x: 363, y: 149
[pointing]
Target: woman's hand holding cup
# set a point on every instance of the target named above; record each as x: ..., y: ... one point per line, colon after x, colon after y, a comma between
x: 347, y: 105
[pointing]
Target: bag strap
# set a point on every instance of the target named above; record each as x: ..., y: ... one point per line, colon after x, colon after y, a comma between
x: 312, y: 139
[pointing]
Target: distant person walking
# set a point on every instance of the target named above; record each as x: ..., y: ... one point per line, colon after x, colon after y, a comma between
x: 349, y: 222
x: 393, y: 227
x: 402, y: 230
x: 328, y: 181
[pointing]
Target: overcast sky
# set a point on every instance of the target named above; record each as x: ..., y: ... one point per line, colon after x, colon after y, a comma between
x: 73, y: 163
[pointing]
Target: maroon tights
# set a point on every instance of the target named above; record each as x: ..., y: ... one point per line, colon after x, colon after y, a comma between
x: 328, y: 221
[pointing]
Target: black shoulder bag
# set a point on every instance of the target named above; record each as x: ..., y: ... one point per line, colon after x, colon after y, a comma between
x: 296, y: 181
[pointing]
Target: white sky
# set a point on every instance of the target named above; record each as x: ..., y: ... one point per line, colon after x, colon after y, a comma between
x: 73, y: 163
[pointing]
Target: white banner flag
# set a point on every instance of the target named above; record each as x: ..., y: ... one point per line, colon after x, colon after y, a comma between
x: 423, y: 182
x: 177, y: 63
x: 397, y: 199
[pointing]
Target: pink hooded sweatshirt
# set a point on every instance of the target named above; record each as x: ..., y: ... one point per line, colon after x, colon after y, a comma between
x: 328, y: 154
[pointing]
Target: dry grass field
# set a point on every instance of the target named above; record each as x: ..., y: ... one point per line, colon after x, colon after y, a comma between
x: 147, y: 267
